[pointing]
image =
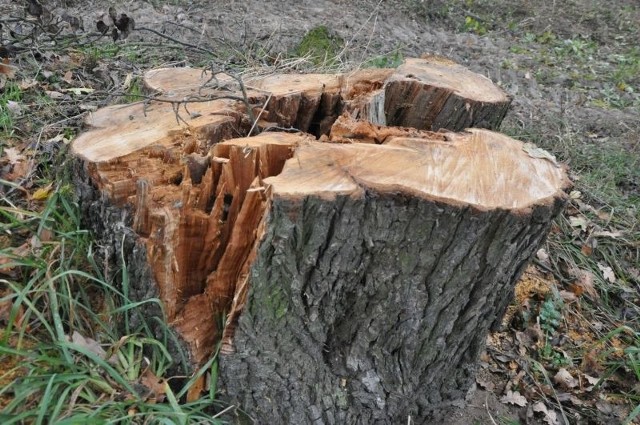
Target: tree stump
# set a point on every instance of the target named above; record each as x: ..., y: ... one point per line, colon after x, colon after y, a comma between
x: 359, y: 267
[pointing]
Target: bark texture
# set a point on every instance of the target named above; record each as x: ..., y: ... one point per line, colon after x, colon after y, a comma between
x: 443, y: 96
x: 374, y: 308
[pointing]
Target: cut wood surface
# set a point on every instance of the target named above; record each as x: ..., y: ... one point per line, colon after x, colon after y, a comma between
x: 358, y: 266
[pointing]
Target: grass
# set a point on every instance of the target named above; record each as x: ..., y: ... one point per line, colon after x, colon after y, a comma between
x: 67, y: 333
x: 321, y: 47
x: 606, y: 173
x: 11, y: 94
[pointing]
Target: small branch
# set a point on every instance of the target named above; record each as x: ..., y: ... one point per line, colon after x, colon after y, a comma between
x: 260, y: 114
x: 175, y: 40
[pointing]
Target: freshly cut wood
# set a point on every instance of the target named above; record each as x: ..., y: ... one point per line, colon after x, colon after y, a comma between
x: 351, y: 271
x: 443, y: 95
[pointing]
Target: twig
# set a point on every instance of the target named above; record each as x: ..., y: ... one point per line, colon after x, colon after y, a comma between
x: 223, y: 411
x: 175, y: 40
x: 555, y: 394
x: 486, y: 405
x: 260, y: 114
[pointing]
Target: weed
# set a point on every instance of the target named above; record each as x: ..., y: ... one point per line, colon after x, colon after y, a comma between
x: 550, y: 315
x: 628, y: 64
x: 134, y: 91
x: 320, y: 46
x: 10, y: 95
x: 471, y: 24
x: 391, y: 60
x: 96, y: 52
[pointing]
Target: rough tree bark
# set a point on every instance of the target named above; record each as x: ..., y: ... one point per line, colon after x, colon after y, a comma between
x: 359, y: 266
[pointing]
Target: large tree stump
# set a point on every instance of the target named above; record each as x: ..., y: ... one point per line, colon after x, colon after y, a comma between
x: 359, y: 267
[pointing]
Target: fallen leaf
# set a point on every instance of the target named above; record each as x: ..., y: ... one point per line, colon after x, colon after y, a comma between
x: 127, y: 81
x: 19, y: 171
x: 68, y: 77
x: 580, y: 222
x: 550, y: 416
x: 565, y: 379
x: 42, y: 193
x: 6, y: 307
x: 568, y: 296
x: 587, y: 249
x: 35, y: 242
x: 515, y: 398
x: 483, y: 379
x: 45, y: 235
x: 604, y: 407
x: 13, y: 155
x: 196, y: 390
x: 15, y: 108
x: 8, y: 70
x: 562, y: 397
x: 542, y: 256
x: 536, y: 152
x: 607, y: 273
x: 80, y: 90
x: 89, y: 343
x: 155, y: 384
x: 606, y: 234
x: 55, y: 95
x: 59, y: 138
x: 592, y: 382
x: 584, y: 284
x: 27, y: 84
x: 591, y: 362
x: 575, y: 194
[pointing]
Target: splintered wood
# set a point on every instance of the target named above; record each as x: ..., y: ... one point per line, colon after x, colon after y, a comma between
x: 207, y: 203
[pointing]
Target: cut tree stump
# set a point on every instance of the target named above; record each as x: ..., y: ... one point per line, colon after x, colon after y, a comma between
x: 350, y: 270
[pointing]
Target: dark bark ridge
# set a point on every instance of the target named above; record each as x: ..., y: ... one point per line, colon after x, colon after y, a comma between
x: 373, y: 309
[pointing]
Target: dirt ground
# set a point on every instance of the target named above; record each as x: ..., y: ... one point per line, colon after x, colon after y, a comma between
x: 557, y: 60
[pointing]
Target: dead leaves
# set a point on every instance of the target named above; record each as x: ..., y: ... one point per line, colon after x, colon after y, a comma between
x: 565, y: 379
x: 43, y: 193
x: 7, y: 71
x: 559, y: 364
x: 13, y: 156
x: 157, y: 386
x: 549, y: 416
x: 515, y: 398
x: 607, y: 273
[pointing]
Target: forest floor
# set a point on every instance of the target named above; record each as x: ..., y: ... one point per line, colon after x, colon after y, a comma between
x: 569, y: 350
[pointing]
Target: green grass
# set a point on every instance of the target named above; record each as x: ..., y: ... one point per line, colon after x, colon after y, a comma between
x: 134, y: 91
x: 54, y: 289
x: 391, y: 60
x: 10, y: 93
x: 322, y: 47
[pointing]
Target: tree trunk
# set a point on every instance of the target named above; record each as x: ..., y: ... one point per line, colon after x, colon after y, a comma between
x: 359, y: 267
